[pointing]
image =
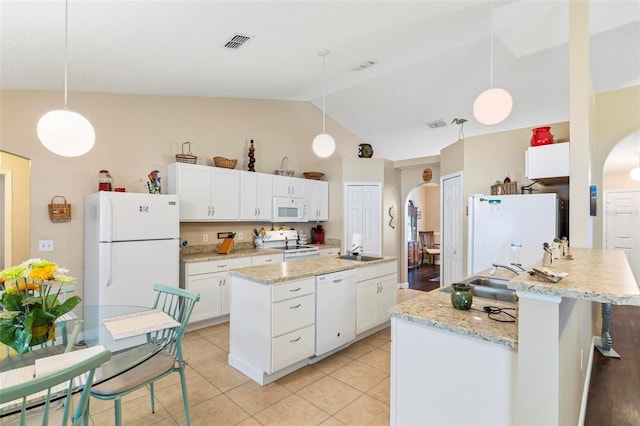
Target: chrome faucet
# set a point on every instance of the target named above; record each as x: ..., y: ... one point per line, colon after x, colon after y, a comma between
x: 352, y: 249
x: 508, y: 268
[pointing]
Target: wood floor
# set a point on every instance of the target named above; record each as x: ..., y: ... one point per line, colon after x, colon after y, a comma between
x: 614, y: 391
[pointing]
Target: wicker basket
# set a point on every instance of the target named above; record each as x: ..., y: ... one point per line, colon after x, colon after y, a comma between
x: 224, y: 162
x: 59, y: 212
x: 188, y: 157
x: 313, y: 175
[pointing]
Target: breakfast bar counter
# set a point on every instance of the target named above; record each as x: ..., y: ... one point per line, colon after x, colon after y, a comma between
x: 537, y: 369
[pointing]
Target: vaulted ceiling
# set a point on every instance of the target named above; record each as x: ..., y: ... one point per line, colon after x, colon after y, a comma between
x: 430, y: 58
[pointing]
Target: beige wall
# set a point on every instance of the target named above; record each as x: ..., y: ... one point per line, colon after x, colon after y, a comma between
x: 136, y: 134
x: 17, y: 171
x: 619, y: 181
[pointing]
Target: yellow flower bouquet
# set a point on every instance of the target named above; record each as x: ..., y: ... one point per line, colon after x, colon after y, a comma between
x: 29, y: 305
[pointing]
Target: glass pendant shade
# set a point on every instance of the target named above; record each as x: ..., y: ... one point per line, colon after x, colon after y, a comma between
x: 66, y: 133
x: 635, y: 173
x: 323, y: 145
x: 492, y: 106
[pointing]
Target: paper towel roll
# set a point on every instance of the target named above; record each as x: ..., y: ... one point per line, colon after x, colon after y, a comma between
x: 356, y: 240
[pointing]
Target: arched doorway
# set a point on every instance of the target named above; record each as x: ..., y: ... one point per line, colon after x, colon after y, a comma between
x: 423, y: 215
x: 621, y: 224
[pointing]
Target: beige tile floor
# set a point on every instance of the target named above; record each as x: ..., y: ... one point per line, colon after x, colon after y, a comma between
x: 350, y: 387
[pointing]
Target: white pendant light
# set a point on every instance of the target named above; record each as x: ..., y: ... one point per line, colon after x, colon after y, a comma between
x: 493, y: 105
x: 323, y: 144
x: 62, y: 131
x: 635, y: 172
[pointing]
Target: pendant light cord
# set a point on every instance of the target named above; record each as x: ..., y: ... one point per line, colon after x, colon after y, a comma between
x: 66, y: 59
x: 491, y: 42
x: 324, y: 91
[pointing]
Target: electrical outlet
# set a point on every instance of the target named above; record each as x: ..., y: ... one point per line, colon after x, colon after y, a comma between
x: 205, y: 238
x: 240, y: 236
x: 45, y: 245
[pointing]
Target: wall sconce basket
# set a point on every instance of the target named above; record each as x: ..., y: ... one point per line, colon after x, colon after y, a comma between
x: 188, y: 157
x: 59, y: 212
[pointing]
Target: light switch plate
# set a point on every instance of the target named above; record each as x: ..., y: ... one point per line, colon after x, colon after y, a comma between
x: 45, y: 245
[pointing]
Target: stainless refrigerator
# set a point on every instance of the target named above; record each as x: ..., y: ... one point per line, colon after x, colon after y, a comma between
x: 131, y: 242
x: 511, y: 228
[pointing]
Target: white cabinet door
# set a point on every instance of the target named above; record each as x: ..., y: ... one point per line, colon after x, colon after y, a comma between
x: 281, y: 186
x: 192, y: 183
x: 318, y: 200
x: 387, y: 296
x: 367, y: 305
x: 264, y: 197
x: 547, y: 161
x: 225, y: 194
x: 248, y: 195
x: 225, y: 282
x: 298, y: 187
x: 284, y: 186
x: 363, y: 215
x: 208, y: 286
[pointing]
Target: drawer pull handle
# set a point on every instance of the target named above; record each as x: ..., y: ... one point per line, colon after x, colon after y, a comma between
x: 295, y: 307
x: 295, y: 289
x: 295, y: 340
x: 268, y: 260
x: 222, y: 266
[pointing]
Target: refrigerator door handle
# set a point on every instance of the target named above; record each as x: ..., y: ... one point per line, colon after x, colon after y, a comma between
x: 107, y: 262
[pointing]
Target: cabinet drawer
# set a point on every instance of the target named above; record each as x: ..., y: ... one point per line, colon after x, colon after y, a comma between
x: 292, y: 347
x: 293, y: 314
x: 293, y: 289
x: 369, y: 272
x: 267, y: 259
x: 195, y: 268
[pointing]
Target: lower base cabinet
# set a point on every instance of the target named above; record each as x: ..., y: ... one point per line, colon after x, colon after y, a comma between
x: 272, y: 326
x: 211, y: 280
x: 377, y: 292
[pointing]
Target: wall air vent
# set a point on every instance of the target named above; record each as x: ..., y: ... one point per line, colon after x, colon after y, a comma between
x: 237, y: 40
x: 436, y: 124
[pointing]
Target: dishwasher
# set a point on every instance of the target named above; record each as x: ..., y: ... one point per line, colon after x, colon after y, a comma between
x: 335, y: 310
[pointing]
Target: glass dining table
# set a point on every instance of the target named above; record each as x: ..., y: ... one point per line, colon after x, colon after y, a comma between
x: 127, y: 352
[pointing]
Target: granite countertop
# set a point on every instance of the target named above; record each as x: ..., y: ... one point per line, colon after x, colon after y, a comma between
x: 594, y: 274
x: 289, y: 271
x: 434, y: 309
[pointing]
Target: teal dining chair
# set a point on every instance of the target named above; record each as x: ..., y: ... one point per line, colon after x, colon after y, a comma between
x: 178, y: 304
x: 46, y: 390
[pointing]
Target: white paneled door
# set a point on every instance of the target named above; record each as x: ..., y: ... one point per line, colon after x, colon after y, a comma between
x: 363, y: 216
x: 452, y: 224
x: 622, y: 222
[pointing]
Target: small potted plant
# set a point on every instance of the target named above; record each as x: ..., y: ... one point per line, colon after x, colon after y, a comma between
x: 29, y: 305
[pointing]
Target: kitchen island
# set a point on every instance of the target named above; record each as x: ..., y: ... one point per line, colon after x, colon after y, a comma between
x: 456, y: 367
x: 286, y: 316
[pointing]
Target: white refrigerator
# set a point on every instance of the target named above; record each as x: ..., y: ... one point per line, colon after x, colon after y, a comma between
x: 131, y: 242
x: 510, y: 228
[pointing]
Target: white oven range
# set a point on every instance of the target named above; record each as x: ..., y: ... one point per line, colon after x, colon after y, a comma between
x: 286, y: 240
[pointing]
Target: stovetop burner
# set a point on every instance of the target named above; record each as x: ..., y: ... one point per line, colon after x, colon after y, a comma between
x: 293, y: 248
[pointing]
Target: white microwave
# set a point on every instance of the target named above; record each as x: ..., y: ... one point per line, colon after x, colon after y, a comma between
x: 289, y: 209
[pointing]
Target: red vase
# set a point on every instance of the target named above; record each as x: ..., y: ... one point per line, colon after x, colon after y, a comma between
x: 541, y: 136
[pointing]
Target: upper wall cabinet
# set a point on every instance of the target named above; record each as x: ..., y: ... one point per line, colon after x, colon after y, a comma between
x: 205, y: 193
x: 256, y: 196
x: 284, y: 186
x: 318, y: 200
x: 547, y: 161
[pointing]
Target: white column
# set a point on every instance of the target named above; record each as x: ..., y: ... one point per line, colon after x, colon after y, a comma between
x: 537, y: 386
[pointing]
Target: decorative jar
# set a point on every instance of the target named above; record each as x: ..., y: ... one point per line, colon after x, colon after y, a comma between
x: 541, y: 136
x: 461, y: 296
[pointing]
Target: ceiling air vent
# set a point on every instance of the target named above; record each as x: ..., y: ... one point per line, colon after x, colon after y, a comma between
x: 436, y: 124
x: 237, y: 40
x: 365, y: 65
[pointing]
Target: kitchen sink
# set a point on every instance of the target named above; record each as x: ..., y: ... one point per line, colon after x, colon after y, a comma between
x: 489, y: 288
x: 360, y: 258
